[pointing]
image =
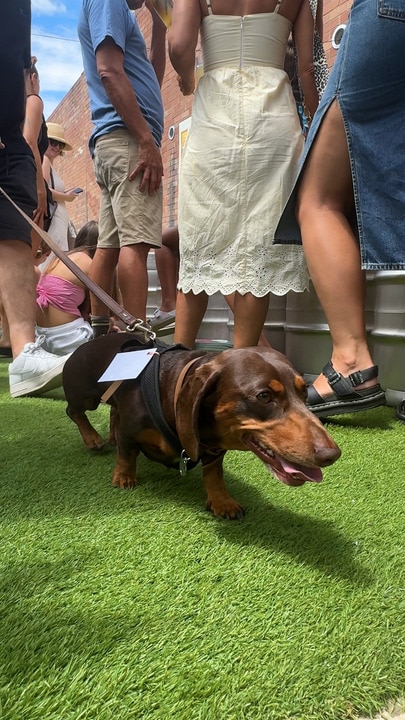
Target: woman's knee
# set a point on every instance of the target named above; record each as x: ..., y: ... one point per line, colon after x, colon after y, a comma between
x: 326, y: 180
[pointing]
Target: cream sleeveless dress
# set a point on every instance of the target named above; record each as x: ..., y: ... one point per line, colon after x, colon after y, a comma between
x: 240, y: 162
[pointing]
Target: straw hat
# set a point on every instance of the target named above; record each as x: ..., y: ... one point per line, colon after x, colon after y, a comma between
x: 56, y: 132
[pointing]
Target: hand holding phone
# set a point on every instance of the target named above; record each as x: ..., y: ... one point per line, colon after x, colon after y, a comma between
x: 75, y: 191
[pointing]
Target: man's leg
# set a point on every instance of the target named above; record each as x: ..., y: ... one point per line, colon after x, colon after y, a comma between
x: 18, y: 292
x: 129, y: 219
x: 102, y: 271
x: 133, y: 278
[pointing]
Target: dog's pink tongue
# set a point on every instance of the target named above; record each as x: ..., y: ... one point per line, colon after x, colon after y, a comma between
x: 299, y: 472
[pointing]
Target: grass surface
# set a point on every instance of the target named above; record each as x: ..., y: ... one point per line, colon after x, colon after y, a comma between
x: 139, y: 604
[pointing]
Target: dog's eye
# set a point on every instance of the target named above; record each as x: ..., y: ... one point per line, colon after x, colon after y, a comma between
x: 265, y: 396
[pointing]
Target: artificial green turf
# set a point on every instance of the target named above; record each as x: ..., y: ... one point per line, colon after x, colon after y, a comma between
x: 140, y: 604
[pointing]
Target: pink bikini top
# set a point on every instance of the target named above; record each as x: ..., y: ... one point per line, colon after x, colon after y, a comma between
x: 60, y: 293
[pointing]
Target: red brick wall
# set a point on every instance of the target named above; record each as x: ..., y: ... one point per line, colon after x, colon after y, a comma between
x: 73, y: 113
x: 76, y: 167
x: 335, y: 13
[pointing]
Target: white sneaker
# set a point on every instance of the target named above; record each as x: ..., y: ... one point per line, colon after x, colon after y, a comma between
x: 35, y: 370
x: 160, y: 318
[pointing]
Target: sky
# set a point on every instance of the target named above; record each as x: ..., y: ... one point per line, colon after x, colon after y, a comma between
x: 54, y: 42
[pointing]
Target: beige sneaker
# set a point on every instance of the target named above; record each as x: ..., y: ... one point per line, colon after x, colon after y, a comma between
x: 35, y: 371
x: 161, y: 319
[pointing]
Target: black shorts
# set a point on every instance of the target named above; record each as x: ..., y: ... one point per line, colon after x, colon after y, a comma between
x: 18, y: 179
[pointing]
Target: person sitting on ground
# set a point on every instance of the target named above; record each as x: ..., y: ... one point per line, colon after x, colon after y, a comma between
x: 63, y: 303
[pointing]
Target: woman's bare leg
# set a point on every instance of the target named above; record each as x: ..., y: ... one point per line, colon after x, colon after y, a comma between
x: 263, y: 342
x: 167, y: 266
x: 249, y: 313
x: 325, y: 203
x: 190, y: 310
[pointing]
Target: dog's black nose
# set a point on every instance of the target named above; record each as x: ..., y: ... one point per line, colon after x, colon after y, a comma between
x: 327, y: 455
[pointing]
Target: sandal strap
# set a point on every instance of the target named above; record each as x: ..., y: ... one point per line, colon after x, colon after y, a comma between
x: 343, y: 386
x: 313, y: 396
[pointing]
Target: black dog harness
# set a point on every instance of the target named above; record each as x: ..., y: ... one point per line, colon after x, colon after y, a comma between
x: 150, y: 390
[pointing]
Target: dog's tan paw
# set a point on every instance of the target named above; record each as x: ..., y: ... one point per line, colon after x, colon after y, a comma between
x: 226, y: 508
x: 94, y: 442
x: 125, y: 481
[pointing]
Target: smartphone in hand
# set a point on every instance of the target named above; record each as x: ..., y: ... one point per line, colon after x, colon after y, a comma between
x: 76, y: 190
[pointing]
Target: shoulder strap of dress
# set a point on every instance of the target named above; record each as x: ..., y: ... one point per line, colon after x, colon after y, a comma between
x: 210, y: 8
x: 277, y: 8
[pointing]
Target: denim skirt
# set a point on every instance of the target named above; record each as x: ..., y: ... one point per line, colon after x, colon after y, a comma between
x: 368, y: 82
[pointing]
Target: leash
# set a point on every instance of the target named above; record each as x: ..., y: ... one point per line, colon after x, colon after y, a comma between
x: 149, y: 389
x: 132, y: 324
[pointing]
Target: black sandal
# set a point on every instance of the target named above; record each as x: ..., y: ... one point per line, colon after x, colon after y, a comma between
x: 345, y: 398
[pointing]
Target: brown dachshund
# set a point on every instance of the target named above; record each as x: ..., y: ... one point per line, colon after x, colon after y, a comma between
x: 245, y: 399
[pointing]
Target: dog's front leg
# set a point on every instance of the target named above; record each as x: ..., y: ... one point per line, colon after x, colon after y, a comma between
x: 124, y: 472
x: 112, y: 437
x: 124, y: 475
x: 219, y: 501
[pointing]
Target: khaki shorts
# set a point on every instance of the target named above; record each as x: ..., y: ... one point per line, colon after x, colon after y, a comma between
x: 127, y: 216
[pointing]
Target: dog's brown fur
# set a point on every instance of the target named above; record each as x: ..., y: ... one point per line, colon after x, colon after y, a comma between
x: 246, y: 399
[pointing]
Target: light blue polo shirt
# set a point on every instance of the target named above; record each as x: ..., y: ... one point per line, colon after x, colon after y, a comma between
x: 98, y: 20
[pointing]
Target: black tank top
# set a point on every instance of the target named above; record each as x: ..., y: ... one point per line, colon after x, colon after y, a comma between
x: 43, y: 139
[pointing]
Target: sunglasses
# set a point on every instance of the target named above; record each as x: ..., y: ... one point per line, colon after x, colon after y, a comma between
x: 56, y: 143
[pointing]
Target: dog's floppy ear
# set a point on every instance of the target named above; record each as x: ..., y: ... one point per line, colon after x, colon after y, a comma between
x: 197, y: 384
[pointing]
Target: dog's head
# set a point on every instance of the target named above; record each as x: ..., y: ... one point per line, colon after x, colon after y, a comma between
x: 253, y: 399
